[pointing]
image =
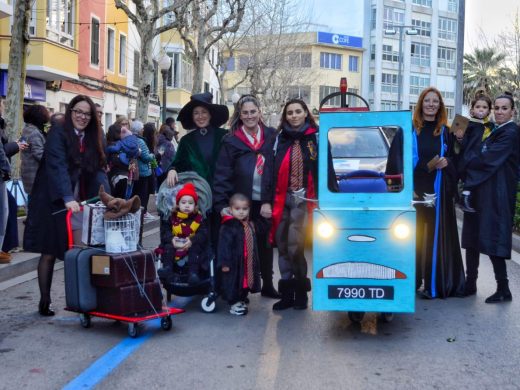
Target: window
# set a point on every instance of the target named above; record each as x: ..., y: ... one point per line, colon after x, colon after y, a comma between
x: 230, y: 64
x: 423, y: 28
x: 352, y: 100
x: 60, y: 21
x: 393, y: 17
x: 389, y: 54
x: 330, y: 60
x: 111, y: 36
x: 372, y: 82
x: 327, y: 90
x: 373, y: 19
x: 186, y: 73
x: 108, y: 120
x: 448, y: 29
x: 94, y: 42
x: 300, y: 92
x: 353, y: 63
x: 448, y: 95
x: 446, y: 58
x: 299, y: 60
x: 389, y: 105
x: 389, y: 83
x: 122, y: 54
x: 373, y: 52
x: 137, y: 60
x: 418, y: 83
x: 453, y: 6
x: 420, y: 54
x: 243, y: 62
x: 450, y: 111
x: 206, y: 86
x: 424, y: 3
x: 174, y: 71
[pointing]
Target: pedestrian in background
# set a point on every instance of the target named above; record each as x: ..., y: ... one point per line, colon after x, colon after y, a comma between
x: 5, y: 175
x: 491, y: 178
x: 150, y: 138
x: 143, y: 163
x: 164, y: 151
x: 295, y: 176
x: 71, y: 171
x: 240, y: 170
x: 438, y: 256
x: 36, y: 117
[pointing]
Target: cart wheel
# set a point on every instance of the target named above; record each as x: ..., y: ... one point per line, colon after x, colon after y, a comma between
x: 356, y: 316
x: 133, y: 329
x: 208, y: 304
x: 84, y: 320
x: 386, y: 317
x: 166, y: 323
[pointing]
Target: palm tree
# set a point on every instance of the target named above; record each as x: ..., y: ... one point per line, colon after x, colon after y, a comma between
x: 481, y: 71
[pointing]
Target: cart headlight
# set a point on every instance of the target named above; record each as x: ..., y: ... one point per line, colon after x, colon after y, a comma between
x: 401, y: 231
x: 325, y: 230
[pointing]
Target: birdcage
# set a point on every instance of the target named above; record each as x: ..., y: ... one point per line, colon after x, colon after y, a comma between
x: 122, y: 234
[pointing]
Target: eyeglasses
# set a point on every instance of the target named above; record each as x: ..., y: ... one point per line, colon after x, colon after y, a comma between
x: 80, y: 113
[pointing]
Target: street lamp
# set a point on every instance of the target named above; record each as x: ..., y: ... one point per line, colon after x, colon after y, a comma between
x: 165, y: 62
x: 408, y: 30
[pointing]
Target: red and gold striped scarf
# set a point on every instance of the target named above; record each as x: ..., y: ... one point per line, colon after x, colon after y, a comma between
x: 184, y: 226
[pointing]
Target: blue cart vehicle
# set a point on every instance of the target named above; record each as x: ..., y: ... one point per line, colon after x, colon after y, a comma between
x: 363, y: 228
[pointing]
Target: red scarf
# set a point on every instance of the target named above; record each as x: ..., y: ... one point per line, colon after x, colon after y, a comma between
x: 282, y: 185
x: 260, y: 159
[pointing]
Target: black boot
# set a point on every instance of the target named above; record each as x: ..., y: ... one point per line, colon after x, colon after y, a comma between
x: 268, y: 289
x: 470, y: 287
x: 503, y: 294
x: 44, y: 308
x: 300, y: 293
x: 286, y: 288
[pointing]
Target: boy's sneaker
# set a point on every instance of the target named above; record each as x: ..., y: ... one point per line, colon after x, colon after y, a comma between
x: 238, y: 309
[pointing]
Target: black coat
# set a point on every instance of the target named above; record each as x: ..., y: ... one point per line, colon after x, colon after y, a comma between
x: 491, y: 175
x: 231, y: 254
x: 200, y: 251
x: 55, y: 181
x: 236, y: 167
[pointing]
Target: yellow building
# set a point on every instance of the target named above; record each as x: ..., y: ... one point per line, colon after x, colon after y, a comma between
x: 307, y: 66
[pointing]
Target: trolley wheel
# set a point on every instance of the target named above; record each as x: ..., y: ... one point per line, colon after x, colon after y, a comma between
x: 84, y: 320
x: 208, y: 304
x: 356, y: 316
x: 386, y: 317
x: 166, y: 323
x: 133, y: 329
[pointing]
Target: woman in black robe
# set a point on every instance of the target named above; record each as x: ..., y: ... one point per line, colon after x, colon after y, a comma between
x: 438, y: 256
x: 491, y: 178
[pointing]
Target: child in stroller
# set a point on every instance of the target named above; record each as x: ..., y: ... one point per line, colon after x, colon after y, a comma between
x: 185, y: 249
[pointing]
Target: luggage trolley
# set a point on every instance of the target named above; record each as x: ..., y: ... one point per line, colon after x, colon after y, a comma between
x: 363, y: 228
x: 83, y: 297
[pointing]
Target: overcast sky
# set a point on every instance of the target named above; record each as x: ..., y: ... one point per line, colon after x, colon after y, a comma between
x: 482, y: 16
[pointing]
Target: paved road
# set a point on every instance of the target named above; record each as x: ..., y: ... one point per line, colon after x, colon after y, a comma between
x: 447, y: 344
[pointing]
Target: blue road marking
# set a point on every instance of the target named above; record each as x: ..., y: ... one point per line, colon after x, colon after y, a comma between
x: 102, y: 367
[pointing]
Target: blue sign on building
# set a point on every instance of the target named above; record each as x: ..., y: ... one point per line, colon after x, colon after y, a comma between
x: 34, y: 90
x: 339, y: 39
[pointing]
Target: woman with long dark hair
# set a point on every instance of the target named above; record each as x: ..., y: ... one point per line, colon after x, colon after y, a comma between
x: 294, y: 169
x: 70, y: 171
x: 240, y: 170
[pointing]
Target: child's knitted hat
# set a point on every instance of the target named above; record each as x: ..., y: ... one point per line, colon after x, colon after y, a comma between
x: 189, y: 190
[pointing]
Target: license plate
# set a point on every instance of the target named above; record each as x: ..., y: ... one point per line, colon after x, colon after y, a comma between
x: 361, y: 292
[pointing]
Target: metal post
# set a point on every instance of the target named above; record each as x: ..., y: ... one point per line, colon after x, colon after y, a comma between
x: 400, y: 73
x: 164, y: 80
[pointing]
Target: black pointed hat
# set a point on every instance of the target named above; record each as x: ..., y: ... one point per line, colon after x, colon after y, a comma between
x: 219, y: 113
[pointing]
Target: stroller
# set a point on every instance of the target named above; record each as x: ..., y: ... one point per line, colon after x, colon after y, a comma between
x: 175, y: 279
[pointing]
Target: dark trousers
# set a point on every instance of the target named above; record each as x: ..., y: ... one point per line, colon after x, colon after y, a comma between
x: 265, y: 250
x: 425, y: 232
x: 472, y: 263
x: 141, y: 190
x: 499, y: 267
x: 290, y: 239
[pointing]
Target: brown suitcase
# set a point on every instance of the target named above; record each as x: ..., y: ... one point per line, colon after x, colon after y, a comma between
x: 127, y: 300
x: 122, y: 269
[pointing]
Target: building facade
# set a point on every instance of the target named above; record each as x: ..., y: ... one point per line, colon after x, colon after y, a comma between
x: 411, y: 44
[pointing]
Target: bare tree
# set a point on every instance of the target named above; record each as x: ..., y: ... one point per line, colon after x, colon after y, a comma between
x: 146, y: 20
x: 203, y: 23
x: 17, y: 68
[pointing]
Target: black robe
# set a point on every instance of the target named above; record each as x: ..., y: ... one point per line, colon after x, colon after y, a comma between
x: 492, y: 176
x: 231, y: 254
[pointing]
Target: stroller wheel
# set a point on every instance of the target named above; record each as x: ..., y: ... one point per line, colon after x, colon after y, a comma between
x: 208, y: 304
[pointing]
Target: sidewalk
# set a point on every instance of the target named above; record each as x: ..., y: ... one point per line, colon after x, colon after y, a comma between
x: 23, y: 264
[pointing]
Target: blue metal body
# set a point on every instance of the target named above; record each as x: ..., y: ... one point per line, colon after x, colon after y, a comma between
x: 362, y: 243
